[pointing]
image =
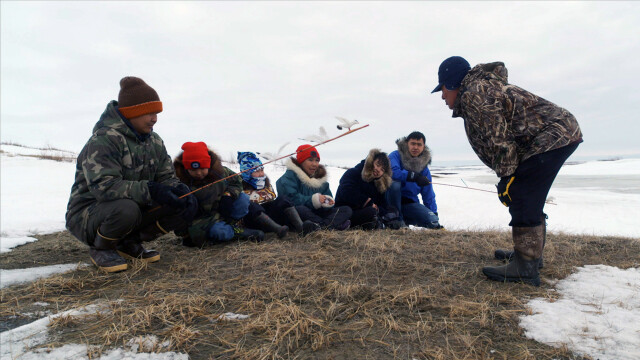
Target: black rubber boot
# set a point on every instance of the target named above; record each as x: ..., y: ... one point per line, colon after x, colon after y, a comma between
x: 268, y: 225
x: 130, y: 248
x: 242, y: 233
x: 104, y: 255
x: 309, y: 226
x: 518, y: 270
x: 507, y: 255
x: 301, y: 227
x: 528, y: 243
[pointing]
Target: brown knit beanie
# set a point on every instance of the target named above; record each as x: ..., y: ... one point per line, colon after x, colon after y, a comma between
x: 136, y: 98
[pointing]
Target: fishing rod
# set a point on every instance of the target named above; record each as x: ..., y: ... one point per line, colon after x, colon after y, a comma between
x: 488, y: 191
x: 351, y: 131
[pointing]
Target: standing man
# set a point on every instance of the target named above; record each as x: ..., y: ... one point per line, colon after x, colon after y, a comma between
x: 411, y: 176
x: 525, y: 139
x: 122, y: 172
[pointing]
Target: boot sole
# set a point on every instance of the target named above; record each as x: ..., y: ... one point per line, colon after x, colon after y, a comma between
x: 500, y: 278
x: 147, y: 260
x: 110, y: 269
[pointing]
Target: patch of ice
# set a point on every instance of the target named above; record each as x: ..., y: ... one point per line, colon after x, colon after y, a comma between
x: 598, y: 314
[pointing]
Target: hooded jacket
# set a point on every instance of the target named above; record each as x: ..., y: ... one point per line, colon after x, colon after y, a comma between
x: 402, y: 163
x: 505, y: 124
x: 209, y: 197
x: 358, y: 184
x: 116, y: 163
x: 300, y: 188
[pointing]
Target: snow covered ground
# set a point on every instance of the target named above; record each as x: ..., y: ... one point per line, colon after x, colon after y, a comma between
x: 594, y: 198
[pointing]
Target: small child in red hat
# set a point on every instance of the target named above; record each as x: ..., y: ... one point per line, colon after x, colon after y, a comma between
x: 305, y: 183
x: 221, y: 205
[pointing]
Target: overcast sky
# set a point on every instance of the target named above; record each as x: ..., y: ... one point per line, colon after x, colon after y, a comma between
x: 250, y: 76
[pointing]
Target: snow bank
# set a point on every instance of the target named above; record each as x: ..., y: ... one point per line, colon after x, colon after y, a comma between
x: 598, y: 314
x: 20, y: 276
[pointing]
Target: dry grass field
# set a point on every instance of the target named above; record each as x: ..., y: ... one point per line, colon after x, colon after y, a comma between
x: 330, y: 295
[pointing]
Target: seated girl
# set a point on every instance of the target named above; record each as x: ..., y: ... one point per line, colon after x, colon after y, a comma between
x: 305, y: 184
x: 221, y: 205
x: 266, y: 211
x: 363, y: 189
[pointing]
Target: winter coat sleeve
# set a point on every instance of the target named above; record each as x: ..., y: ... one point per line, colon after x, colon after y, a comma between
x: 166, y: 173
x: 399, y: 174
x: 428, y: 195
x: 349, y: 191
x: 288, y: 185
x: 485, y: 123
x: 234, y: 184
x: 103, y: 170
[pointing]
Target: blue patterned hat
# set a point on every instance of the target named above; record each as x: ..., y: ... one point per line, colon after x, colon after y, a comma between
x: 247, y: 160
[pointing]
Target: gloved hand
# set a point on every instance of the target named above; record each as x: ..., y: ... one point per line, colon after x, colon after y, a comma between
x: 191, y: 209
x: 220, y: 231
x: 181, y: 189
x: 239, y: 207
x: 165, y: 195
x: 419, y: 179
x: 503, y: 190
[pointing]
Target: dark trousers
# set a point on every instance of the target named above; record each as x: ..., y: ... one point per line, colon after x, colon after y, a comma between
x: 533, y: 179
x: 366, y: 217
x: 275, y: 210
x: 120, y: 218
x: 326, y: 217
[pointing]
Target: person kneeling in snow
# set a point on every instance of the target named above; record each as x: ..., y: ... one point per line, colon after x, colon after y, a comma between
x: 364, y: 187
x: 525, y: 139
x: 411, y: 176
x: 305, y: 183
x: 222, y: 205
x: 122, y: 172
x: 266, y: 210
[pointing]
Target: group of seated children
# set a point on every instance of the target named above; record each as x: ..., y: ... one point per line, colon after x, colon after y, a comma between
x: 245, y: 206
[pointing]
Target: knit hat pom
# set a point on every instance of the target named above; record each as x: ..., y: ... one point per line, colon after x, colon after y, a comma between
x: 136, y: 98
x: 196, y: 156
x: 309, y: 151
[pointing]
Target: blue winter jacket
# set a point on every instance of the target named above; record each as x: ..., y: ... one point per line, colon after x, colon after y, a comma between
x: 411, y: 190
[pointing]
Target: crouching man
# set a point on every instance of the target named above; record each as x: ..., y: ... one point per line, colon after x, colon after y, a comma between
x: 525, y: 139
x: 122, y: 172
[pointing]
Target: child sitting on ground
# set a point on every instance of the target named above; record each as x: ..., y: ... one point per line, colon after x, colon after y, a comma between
x: 266, y: 211
x: 305, y: 183
x: 221, y: 205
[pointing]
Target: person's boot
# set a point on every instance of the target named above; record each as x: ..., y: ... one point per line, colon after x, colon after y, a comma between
x: 524, y: 264
x: 151, y: 232
x: 268, y: 225
x: 301, y: 227
x: 104, y: 255
x: 131, y: 248
x: 507, y: 255
x: 243, y: 233
x: 344, y: 226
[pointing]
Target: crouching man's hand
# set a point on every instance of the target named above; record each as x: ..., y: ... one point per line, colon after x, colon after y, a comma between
x: 503, y: 189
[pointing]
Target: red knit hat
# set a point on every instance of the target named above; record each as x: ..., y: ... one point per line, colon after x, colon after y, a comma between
x: 196, y: 156
x: 136, y: 98
x: 309, y: 152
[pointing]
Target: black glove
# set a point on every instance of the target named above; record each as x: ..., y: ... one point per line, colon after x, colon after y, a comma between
x: 165, y: 195
x: 191, y: 209
x: 503, y: 190
x: 181, y: 189
x: 419, y: 179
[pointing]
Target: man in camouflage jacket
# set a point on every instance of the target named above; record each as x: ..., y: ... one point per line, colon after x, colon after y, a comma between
x: 122, y: 172
x: 525, y: 139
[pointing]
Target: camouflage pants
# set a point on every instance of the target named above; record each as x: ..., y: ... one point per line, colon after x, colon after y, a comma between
x: 119, y: 218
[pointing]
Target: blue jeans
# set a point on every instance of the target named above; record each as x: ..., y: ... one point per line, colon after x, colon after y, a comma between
x: 412, y: 214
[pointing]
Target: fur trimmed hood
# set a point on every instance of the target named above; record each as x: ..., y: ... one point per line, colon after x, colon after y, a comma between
x: 384, y: 182
x: 216, y: 171
x: 318, y: 179
x: 415, y: 164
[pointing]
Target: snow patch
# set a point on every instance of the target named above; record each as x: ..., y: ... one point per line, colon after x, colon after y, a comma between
x: 597, y: 314
x: 20, y: 276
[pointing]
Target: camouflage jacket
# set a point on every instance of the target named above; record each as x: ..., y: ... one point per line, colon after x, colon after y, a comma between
x: 261, y: 196
x: 505, y: 124
x: 116, y: 163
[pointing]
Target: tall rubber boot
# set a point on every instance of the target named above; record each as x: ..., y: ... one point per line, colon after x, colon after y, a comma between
x: 527, y: 253
x: 301, y: 227
x: 268, y: 225
x: 242, y: 233
x: 131, y: 248
x: 104, y: 255
x: 507, y: 255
